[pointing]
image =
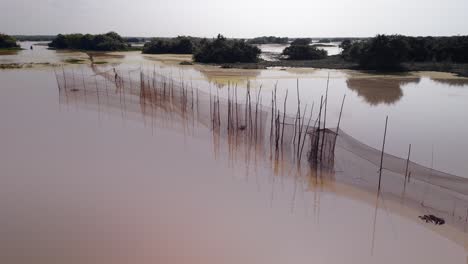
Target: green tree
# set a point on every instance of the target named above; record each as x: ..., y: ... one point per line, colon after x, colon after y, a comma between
x: 104, y: 42
x: 301, y: 41
x: 300, y: 49
x: 179, y: 45
x: 7, y: 42
x: 222, y: 50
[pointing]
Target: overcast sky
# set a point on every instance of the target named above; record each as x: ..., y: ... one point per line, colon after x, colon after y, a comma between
x: 236, y: 18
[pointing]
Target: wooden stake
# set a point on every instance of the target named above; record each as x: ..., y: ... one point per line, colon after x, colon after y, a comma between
x: 407, y: 162
x: 383, y: 151
x: 339, y: 121
x: 284, y: 117
x: 305, y: 134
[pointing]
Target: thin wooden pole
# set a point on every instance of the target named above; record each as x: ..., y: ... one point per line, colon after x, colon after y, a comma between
x: 284, y: 118
x: 383, y: 151
x: 407, y: 162
x: 237, y: 116
x: 341, y: 112
x: 301, y: 128
x: 305, y: 134
x: 298, y: 116
x: 325, y: 116
x: 326, y: 102
x: 338, y: 126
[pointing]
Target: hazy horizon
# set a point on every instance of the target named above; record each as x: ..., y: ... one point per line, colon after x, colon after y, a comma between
x: 240, y: 19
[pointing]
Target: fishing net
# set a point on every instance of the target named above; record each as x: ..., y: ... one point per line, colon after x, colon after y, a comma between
x: 241, y: 117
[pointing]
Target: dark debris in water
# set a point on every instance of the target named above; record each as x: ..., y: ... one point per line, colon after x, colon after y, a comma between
x: 433, y: 219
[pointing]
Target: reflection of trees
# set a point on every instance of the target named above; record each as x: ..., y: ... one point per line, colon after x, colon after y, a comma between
x: 452, y: 82
x: 379, y: 90
x: 222, y: 77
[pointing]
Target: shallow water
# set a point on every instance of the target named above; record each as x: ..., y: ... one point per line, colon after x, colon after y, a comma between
x: 87, y: 184
x: 39, y: 54
x: 425, y: 109
x: 272, y: 51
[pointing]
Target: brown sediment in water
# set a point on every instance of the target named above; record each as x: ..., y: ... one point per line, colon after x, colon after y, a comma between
x: 223, y: 77
x: 353, y: 163
x: 25, y: 65
x: 452, y: 82
x: 8, y: 52
x: 130, y: 176
x: 169, y: 58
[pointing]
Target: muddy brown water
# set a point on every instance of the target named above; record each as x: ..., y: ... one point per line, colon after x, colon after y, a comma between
x: 87, y: 183
x: 425, y: 109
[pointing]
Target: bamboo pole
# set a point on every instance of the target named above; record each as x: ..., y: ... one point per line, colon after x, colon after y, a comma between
x: 308, y: 124
x: 256, y: 111
x: 317, y: 140
x: 301, y: 128
x: 237, y: 116
x: 325, y: 118
x: 298, y: 116
x: 383, y: 151
x: 272, y: 116
x: 407, y: 162
x: 284, y: 118
x: 339, y: 121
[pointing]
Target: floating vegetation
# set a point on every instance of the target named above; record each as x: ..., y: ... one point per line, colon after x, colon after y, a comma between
x: 186, y: 63
x: 74, y: 61
x: 23, y: 65
x: 433, y: 219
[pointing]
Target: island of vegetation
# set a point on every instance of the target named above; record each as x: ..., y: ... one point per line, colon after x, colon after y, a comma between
x: 395, y: 52
x: 223, y: 50
x: 268, y: 40
x: 8, y: 43
x: 102, y: 42
x: 379, y: 53
x: 179, y: 45
x: 300, y: 49
x: 382, y: 53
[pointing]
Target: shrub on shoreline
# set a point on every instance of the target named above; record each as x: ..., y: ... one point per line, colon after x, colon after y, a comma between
x: 102, y: 42
x: 8, y: 42
x: 222, y: 50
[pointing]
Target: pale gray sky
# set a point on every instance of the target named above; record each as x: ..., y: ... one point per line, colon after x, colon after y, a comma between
x: 235, y: 18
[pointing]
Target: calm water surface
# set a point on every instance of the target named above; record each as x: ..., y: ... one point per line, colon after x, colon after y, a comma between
x: 83, y: 184
x: 425, y: 109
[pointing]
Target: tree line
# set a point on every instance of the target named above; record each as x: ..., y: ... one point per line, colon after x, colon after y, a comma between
x: 388, y: 52
x: 268, y: 40
x: 103, y: 42
x: 178, y: 45
x: 223, y: 50
x: 383, y: 52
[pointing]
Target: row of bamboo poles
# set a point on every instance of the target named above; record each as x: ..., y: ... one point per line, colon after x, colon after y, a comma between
x: 234, y: 115
x: 241, y: 114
